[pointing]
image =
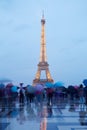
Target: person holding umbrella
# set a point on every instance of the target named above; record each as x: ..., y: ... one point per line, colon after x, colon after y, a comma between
x: 29, y: 92
x: 81, y: 95
x: 14, y: 90
x: 50, y: 92
x: 85, y: 90
x: 1, y: 94
x: 21, y: 94
x: 39, y: 88
x: 8, y: 95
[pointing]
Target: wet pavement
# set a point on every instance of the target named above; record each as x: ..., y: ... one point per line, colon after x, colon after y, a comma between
x: 63, y: 115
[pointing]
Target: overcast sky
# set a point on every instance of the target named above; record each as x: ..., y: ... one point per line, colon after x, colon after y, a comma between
x: 66, y: 39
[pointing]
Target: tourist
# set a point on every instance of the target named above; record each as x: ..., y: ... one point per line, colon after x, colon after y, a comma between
x: 21, y: 93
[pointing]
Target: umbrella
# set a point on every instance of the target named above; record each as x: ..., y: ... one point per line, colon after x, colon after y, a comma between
x: 30, y: 89
x: 49, y: 85
x: 85, y: 82
x: 76, y: 87
x: 85, y: 89
x: 71, y: 89
x: 14, y: 88
x: 58, y: 84
x: 9, y: 85
x: 39, y: 87
x: 2, y: 86
x: 8, y: 89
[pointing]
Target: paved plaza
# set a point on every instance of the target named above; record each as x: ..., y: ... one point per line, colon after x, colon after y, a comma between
x: 63, y: 115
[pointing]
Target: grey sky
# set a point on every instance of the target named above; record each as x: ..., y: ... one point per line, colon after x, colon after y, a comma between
x: 66, y: 39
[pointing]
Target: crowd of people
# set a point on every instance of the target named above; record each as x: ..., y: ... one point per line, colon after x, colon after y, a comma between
x: 9, y: 94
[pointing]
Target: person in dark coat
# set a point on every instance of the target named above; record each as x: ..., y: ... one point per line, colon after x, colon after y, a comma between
x: 49, y: 95
x: 21, y: 94
x: 85, y: 94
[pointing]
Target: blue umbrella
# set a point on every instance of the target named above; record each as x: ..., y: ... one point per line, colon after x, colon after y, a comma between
x: 30, y: 89
x: 85, y: 82
x: 49, y: 85
x: 2, y: 86
x: 58, y: 84
x: 14, y: 89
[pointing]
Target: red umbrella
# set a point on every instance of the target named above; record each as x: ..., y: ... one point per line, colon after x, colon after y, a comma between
x: 8, y: 89
x: 9, y: 85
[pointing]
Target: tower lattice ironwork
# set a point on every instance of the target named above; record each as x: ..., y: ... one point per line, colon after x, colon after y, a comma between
x: 43, y: 64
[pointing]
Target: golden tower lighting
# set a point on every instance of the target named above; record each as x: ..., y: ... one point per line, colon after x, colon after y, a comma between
x: 43, y: 65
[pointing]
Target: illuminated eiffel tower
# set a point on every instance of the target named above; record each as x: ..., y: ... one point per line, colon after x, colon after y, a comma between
x: 43, y: 65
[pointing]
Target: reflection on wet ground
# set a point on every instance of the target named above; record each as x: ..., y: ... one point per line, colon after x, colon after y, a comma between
x: 63, y: 115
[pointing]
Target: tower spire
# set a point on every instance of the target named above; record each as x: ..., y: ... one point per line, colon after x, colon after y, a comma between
x: 43, y: 57
x: 43, y: 65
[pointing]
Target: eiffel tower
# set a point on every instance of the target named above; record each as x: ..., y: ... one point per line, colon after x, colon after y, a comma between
x: 43, y: 65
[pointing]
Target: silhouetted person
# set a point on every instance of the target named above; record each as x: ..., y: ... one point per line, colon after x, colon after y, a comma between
x: 49, y: 95
x: 85, y: 93
x: 71, y: 92
x: 81, y: 94
x: 21, y: 94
